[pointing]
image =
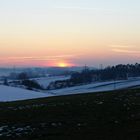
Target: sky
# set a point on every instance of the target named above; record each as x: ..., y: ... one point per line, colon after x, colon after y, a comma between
x: 69, y: 32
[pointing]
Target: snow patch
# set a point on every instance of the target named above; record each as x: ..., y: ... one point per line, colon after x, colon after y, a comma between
x: 14, y: 94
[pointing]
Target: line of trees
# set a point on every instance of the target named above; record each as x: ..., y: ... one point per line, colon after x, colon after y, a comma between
x: 118, y: 72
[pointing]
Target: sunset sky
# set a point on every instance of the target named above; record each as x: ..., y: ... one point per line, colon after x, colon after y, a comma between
x: 69, y: 32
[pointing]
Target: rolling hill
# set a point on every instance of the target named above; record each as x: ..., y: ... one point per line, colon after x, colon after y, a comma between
x: 12, y: 94
x: 113, y: 115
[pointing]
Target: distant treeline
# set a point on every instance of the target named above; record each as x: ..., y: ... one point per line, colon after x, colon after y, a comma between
x: 86, y: 76
x: 118, y: 72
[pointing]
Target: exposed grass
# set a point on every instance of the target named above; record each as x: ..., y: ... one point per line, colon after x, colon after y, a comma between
x: 98, y: 116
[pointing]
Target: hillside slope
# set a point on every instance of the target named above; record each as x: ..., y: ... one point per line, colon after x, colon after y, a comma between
x: 99, y: 116
x: 12, y: 94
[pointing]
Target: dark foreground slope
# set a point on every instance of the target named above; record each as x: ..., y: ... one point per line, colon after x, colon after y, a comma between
x: 98, y: 116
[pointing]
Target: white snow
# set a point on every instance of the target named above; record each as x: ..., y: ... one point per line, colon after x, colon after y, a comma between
x: 14, y: 94
x: 98, y: 87
x: 47, y: 80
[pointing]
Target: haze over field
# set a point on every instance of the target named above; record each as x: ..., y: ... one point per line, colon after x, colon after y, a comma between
x: 69, y: 32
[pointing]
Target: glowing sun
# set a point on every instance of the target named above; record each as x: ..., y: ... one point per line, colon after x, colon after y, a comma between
x: 62, y: 64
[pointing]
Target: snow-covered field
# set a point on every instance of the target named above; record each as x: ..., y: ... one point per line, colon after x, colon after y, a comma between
x: 97, y: 87
x: 47, y: 80
x: 13, y: 94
